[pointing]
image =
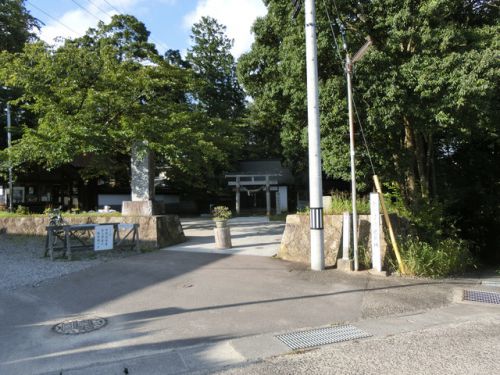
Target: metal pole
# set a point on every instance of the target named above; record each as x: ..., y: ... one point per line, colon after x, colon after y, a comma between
x: 315, y: 177
x: 353, y: 167
x: 9, y: 141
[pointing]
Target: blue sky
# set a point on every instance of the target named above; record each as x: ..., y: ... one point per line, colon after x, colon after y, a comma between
x: 169, y: 21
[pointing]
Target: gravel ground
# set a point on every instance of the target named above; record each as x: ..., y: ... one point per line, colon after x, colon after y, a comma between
x: 22, y: 261
x: 461, y: 349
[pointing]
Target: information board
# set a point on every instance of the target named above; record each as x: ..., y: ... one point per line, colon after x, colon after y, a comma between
x: 103, y: 239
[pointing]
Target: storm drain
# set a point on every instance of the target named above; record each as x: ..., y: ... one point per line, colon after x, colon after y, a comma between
x: 322, y: 336
x: 76, y: 327
x: 484, y: 297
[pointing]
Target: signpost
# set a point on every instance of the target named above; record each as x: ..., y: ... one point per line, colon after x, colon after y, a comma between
x: 103, y: 238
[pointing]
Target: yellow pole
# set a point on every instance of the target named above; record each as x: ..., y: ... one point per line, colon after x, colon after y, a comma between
x: 389, y: 225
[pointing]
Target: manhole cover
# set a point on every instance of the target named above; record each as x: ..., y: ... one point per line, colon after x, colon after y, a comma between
x: 79, y: 326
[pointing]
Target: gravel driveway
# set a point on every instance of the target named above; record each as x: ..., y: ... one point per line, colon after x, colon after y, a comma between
x: 22, y: 261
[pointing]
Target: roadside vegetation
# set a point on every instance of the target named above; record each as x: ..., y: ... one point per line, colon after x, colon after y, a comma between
x: 426, y: 98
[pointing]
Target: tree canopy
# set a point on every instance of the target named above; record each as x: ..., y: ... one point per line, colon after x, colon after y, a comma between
x: 210, y: 58
x: 426, y: 93
x: 95, y: 95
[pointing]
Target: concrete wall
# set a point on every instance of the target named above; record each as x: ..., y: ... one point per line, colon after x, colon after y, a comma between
x: 155, y: 231
x: 295, y: 243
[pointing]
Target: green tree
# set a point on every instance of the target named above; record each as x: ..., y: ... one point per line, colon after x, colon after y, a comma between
x: 426, y: 94
x: 210, y: 57
x: 94, y: 96
x: 16, y: 25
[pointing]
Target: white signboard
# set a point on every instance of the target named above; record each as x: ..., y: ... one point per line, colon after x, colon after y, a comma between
x: 375, y: 231
x: 103, y: 239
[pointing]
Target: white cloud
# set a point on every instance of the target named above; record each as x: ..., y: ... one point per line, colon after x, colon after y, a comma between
x: 237, y: 15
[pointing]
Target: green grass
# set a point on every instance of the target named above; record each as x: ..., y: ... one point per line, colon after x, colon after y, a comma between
x: 64, y: 214
x: 442, y: 258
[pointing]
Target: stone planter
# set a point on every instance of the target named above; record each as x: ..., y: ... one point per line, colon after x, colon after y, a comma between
x: 222, y: 235
x: 220, y: 223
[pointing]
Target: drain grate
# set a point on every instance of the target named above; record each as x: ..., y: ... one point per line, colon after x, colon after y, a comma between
x: 76, y: 327
x: 485, y: 297
x: 322, y: 336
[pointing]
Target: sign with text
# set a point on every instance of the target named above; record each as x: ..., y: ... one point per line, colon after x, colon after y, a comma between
x: 103, y: 239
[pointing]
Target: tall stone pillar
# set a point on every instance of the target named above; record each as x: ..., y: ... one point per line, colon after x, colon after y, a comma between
x: 142, y: 182
x: 268, y: 197
x: 238, y: 197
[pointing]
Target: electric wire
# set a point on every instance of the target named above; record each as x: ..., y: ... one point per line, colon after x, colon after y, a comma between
x: 100, y: 9
x: 100, y: 20
x: 111, y: 5
x: 337, y: 50
x: 363, y: 134
x: 86, y: 10
x: 51, y: 17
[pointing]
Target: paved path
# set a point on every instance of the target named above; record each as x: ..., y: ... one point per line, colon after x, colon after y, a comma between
x: 249, y: 236
x: 179, y: 311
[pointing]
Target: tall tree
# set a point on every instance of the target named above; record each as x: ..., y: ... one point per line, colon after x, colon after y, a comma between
x: 94, y: 96
x: 17, y: 25
x: 210, y: 57
x: 426, y: 92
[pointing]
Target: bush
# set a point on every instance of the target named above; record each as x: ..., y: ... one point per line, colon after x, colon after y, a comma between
x: 445, y: 257
x: 221, y: 213
x: 22, y: 210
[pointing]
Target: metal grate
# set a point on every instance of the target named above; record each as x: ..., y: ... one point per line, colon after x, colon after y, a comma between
x: 321, y: 336
x: 485, y: 297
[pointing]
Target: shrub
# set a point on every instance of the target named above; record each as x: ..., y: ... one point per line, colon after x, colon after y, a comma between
x: 221, y: 213
x: 22, y: 210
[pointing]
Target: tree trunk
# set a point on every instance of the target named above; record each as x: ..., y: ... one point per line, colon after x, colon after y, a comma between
x: 421, y: 156
x: 409, y: 144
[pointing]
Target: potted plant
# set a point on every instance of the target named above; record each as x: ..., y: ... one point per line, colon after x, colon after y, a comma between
x: 221, y: 214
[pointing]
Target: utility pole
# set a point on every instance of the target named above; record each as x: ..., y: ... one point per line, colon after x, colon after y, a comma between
x: 348, y: 69
x: 315, y: 176
x: 9, y: 139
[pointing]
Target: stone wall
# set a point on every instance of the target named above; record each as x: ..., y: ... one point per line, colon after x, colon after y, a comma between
x: 295, y: 243
x: 155, y: 231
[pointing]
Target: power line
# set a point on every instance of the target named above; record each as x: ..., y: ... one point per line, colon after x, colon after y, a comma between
x: 99, y: 8
x: 111, y: 5
x: 333, y: 34
x: 53, y: 18
x: 86, y: 10
x: 337, y: 50
x: 104, y: 12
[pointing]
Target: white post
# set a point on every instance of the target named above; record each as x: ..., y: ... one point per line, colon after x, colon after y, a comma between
x: 375, y: 231
x: 315, y: 177
x: 353, y: 167
x: 346, y: 235
x: 9, y: 144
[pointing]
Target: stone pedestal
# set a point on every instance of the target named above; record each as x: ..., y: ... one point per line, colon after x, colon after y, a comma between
x: 222, y: 238
x: 345, y: 265
x: 141, y: 208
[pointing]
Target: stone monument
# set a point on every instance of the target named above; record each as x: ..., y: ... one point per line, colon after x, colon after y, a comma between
x: 161, y: 230
x: 142, y: 183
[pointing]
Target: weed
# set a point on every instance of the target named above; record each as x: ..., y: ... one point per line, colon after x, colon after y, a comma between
x: 442, y: 258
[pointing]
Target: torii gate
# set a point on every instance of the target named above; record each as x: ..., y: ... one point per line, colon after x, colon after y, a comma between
x: 264, y: 180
